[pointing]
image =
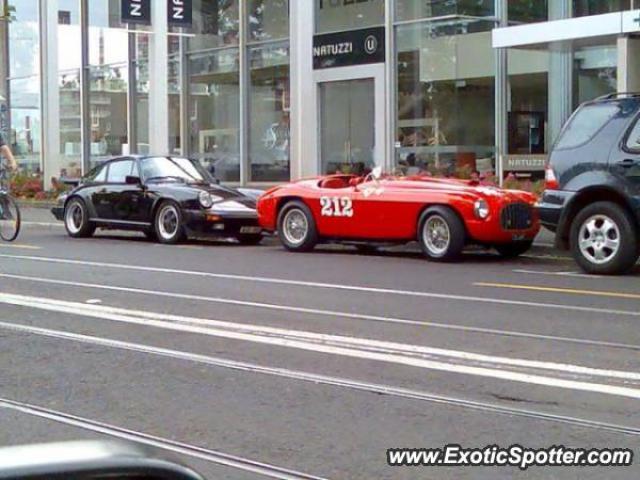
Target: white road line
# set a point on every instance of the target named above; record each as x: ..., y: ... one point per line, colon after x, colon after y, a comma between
x: 328, y: 313
x: 559, y: 274
x: 354, y: 288
x: 43, y: 224
x: 357, y: 342
x: 315, y: 378
x: 360, y: 348
x: 193, y: 451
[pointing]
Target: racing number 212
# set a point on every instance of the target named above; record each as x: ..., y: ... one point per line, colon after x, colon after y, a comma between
x: 336, y: 207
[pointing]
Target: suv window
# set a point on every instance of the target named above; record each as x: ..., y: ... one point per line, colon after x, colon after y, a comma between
x: 586, y: 123
x: 633, y: 142
x: 118, y: 171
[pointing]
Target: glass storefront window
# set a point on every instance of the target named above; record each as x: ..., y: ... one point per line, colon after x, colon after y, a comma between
x: 24, y: 85
x: 175, y: 90
x: 214, y: 112
x: 141, y: 64
x: 269, y: 109
x: 108, y: 77
x: 528, y: 11
x: 529, y: 103
x: 69, y: 62
x: 597, y: 7
x: 268, y: 20
x: 445, y: 110
x: 340, y: 15
x: 216, y: 23
x: 595, y: 72
x: 413, y: 10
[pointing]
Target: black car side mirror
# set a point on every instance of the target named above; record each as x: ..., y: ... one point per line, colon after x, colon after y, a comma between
x: 131, y: 180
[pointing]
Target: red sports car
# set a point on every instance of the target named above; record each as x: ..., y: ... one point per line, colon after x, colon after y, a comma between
x: 443, y: 215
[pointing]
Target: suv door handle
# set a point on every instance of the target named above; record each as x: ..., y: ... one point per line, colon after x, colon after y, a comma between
x: 628, y: 163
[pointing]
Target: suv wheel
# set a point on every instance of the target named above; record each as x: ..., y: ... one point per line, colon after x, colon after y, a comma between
x: 604, y: 239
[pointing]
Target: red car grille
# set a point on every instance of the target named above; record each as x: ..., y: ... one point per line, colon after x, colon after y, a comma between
x: 517, y: 216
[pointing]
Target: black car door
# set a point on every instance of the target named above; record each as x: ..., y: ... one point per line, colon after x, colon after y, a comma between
x: 625, y: 163
x: 137, y: 198
x: 122, y: 197
x: 100, y: 194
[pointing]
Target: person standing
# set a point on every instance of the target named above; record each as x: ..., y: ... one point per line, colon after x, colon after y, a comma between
x: 5, y: 152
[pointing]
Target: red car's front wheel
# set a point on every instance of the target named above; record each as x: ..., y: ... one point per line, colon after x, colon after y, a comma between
x: 441, y: 234
x: 297, y: 227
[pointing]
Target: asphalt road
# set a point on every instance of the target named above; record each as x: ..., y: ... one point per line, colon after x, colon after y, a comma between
x: 246, y: 362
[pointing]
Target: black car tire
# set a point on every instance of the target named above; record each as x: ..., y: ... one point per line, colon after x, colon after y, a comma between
x: 305, y: 238
x: 451, y: 234
x: 150, y: 233
x: 249, y: 239
x: 168, y: 223
x: 623, y: 230
x: 76, y: 219
x: 515, y: 249
x: 367, y: 249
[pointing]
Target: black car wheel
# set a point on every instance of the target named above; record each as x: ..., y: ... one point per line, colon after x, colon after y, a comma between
x: 76, y: 219
x: 604, y: 239
x: 249, y: 239
x: 150, y: 233
x: 441, y: 234
x: 515, y: 249
x: 169, y: 224
x: 297, y: 227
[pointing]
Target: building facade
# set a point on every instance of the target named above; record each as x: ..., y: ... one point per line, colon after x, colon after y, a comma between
x: 263, y: 91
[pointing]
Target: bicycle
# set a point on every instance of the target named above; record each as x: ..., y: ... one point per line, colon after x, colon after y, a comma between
x: 9, y: 211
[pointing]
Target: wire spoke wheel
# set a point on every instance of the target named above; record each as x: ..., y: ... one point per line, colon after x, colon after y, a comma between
x: 9, y: 218
x: 295, y: 226
x: 436, y: 235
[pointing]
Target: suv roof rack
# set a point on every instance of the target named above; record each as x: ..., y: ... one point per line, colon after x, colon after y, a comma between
x: 611, y: 96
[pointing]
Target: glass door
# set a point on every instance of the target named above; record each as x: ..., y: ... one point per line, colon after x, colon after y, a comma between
x: 347, y: 126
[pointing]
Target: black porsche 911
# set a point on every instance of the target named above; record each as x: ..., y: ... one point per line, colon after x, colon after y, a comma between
x: 167, y: 198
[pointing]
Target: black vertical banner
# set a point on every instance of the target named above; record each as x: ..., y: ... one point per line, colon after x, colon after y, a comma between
x: 180, y: 13
x: 136, y: 11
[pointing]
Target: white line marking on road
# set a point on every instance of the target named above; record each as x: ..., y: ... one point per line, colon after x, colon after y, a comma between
x: 19, y: 246
x: 300, y: 283
x: 409, y: 355
x: 314, y: 378
x: 93, y: 301
x: 558, y: 274
x: 328, y: 313
x: 193, y: 451
x: 43, y: 224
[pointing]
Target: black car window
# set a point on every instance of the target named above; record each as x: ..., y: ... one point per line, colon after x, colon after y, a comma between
x: 586, y: 123
x: 118, y: 171
x: 97, y: 175
x: 633, y: 142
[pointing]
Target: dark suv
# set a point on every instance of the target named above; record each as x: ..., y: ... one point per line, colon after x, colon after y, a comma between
x: 592, y: 197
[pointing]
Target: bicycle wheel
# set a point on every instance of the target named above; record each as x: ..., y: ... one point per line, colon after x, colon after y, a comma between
x: 9, y: 218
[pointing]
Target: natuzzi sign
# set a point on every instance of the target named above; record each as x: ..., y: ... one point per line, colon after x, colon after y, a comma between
x: 179, y: 12
x: 354, y: 47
